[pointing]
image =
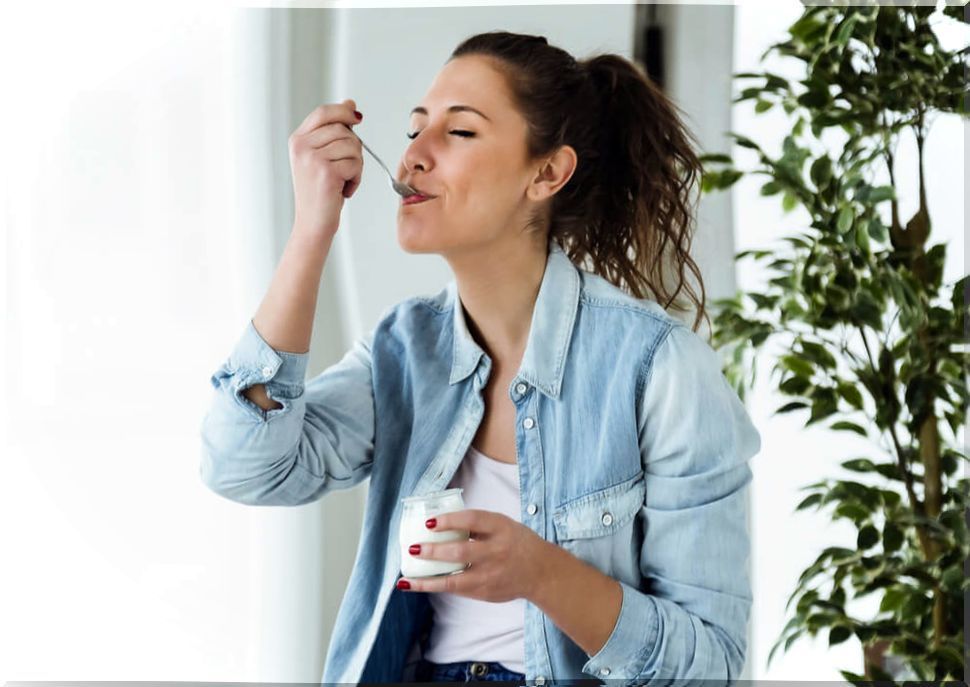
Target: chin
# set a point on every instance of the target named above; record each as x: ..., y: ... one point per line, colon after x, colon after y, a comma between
x: 415, y: 238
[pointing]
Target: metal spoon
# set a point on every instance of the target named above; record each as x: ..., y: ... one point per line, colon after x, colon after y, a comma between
x: 399, y: 186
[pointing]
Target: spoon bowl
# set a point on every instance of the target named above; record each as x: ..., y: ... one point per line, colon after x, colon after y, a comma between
x: 399, y: 187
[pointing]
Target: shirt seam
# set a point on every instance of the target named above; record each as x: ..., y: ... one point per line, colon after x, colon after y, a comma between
x: 646, y: 367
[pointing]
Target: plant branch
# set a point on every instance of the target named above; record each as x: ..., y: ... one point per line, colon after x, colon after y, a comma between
x: 900, y: 458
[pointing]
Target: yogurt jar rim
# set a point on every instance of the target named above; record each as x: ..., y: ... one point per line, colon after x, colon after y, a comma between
x: 433, y: 496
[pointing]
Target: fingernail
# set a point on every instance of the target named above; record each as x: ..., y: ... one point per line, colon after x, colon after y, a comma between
x: 430, y: 523
x: 403, y: 584
x: 414, y: 549
x: 358, y: 115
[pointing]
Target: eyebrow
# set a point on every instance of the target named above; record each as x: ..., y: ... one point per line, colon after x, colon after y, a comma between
x: 453, y: 108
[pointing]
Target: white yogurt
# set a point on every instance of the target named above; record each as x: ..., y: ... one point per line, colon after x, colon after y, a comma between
x: 417, y: 509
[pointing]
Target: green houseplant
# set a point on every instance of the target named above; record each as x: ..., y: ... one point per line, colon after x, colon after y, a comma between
x: 870, y: 340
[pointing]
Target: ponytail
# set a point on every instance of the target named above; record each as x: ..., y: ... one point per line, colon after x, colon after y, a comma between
x: 626, y: 213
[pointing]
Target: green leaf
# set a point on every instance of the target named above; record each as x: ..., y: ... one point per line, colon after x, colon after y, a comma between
x: 821, y: 172
x: 845, y: 30
x: 892, y: 537
x: 851, y: 394
x: 762, y: 106
x: 809, y: 501
x: 868, y: 537
x: 862, y: 239
x: 744, y: 141
x: 771, y: 188
x: 881, y: 193
x: 794, y: 386
x: 845, y: 219
x: 877, y: 230
x: 800, y: 367
x: 824, y: 404
x: 789, y: 201
x: 915, y: 605
x: 839, y: 634
x: 859, y: 465
x: 849, y: 426
x: 856, y: 679
x: 716, y: 157
x: 890, y: 498
x: 852, y: 511
x: 788, y: 407
x: 892, y: 600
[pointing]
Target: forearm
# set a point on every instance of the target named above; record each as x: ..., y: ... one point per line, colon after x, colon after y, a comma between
x: 285, y: 316
x: 581, y: 601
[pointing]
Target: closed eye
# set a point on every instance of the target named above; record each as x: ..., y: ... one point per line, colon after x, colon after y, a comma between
x: 457, y: 132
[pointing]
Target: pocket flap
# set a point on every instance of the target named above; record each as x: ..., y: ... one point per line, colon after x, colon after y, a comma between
x: 601, y: 512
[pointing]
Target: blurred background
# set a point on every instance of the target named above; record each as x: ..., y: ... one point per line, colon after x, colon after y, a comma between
x: 146, y: 199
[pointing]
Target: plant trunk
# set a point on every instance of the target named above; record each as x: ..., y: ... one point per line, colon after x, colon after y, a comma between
x: 873, y: 655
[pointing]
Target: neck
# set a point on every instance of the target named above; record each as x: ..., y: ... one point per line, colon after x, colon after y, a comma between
x: 498, y: 290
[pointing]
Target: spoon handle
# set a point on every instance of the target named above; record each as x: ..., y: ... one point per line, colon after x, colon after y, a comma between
x: 373, y: 154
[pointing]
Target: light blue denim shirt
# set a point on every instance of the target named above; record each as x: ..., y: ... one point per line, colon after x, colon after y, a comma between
x: 632, y: 450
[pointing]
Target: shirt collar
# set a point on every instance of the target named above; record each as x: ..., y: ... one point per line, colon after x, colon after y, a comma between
x: 549, y: 334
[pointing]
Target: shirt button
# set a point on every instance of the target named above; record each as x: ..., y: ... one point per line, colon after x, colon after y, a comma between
x: 528, y: 423
x: 540, y: 680
x: 531, y: 509
x: 520, y: 388
x: 607, y: 519
x: 604, y: 671
x: 267, y: 372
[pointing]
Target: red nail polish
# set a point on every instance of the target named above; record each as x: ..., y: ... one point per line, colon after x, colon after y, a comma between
x: 403, y: 584
x: 430, y: 523
x: 358, y: 115
x: 414, y: 549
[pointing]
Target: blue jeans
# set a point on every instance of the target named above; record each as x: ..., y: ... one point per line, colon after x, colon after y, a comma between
x: 466, y: 671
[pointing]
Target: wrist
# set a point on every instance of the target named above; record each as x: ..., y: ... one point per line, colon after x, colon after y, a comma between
x: 549, y: 564
x: 311, y: 233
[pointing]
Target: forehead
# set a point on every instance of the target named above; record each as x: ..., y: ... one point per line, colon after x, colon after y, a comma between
x: 469, y: 80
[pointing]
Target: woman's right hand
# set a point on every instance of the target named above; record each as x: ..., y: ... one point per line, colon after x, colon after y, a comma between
x: 326, y: 163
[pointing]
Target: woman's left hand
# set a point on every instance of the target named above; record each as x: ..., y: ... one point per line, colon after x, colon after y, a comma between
x: 506, y: 557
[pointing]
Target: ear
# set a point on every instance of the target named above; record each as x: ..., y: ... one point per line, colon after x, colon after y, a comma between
x: 553, y: 173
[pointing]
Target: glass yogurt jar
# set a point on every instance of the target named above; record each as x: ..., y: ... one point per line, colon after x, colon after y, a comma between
x: 416, y: 510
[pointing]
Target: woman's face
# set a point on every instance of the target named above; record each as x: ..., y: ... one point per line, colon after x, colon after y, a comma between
x: 472, y: 160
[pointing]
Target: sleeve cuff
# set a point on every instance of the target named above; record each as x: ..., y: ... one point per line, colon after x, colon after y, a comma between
x: 632, y: 641
x: 253, y: 361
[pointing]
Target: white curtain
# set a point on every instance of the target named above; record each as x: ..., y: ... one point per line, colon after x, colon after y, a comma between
x: 146, y: 199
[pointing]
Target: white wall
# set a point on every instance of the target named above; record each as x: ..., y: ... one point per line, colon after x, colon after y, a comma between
x: 126, y: 281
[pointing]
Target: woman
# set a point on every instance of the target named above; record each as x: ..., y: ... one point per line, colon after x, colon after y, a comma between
x: 602, y: 453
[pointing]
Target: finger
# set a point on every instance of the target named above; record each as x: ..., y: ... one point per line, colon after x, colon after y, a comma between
x: 452, y: 551
x: 350, y: 187
x: 459, y: 583
x: 326, y: 114
x: 476, y: 521
x: 330, y: 135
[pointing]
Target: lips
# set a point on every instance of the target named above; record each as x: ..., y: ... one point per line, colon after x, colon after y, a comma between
x: 416, y: 198
x: 421, y: 192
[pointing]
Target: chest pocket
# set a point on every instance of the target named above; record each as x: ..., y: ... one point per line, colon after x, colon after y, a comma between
x: 602, y: 529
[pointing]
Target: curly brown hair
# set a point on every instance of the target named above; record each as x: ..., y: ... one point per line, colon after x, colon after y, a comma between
x: 626, y: 213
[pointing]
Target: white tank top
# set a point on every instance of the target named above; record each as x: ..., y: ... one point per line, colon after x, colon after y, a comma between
x: 467, y: 629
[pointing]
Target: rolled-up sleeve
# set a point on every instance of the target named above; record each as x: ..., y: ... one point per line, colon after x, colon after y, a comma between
x: 696, y: 438
x: 319, y: 440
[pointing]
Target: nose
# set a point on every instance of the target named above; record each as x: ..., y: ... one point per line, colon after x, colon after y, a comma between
x: 415, y: 158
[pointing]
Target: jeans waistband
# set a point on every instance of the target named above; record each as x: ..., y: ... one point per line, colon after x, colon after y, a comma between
x: 466, y: 671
